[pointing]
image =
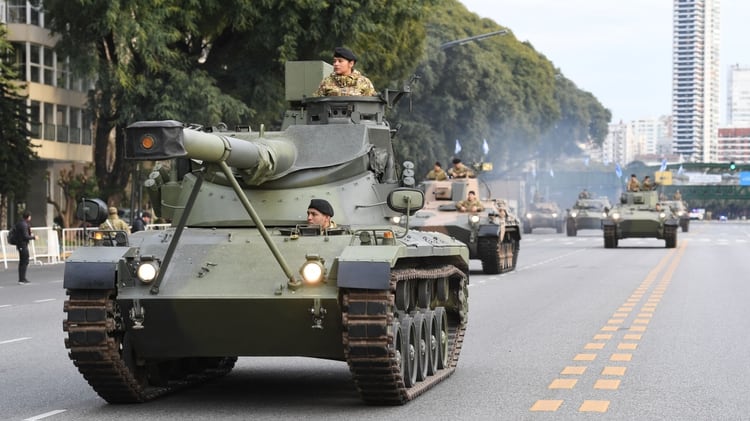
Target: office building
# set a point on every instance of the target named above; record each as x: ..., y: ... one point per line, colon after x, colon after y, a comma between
x: 59, y: 123
x: 695, y: 79
x: 738, y: 96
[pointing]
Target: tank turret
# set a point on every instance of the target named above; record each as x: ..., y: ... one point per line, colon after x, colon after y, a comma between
x: 241, y: 272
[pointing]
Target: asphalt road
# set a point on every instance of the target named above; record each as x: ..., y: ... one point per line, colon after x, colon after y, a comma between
x: 576, y: 332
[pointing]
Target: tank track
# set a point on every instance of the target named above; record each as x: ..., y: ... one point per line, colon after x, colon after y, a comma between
x: 95, y: 340
x: 368, y: 319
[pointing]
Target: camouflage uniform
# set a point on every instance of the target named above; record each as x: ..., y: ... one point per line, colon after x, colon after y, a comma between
x: 634, y: 185
x: 647, y: 185
x: 114, y: 223
x: 468, y: 204
x: 438, y: 175
x: 460, y: 171
x: 355, y: 84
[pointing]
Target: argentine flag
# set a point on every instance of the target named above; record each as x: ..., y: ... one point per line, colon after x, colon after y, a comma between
x: 485, y: 146
x: 458, y: 148
x: 618, y: 170
x: 663, y: 165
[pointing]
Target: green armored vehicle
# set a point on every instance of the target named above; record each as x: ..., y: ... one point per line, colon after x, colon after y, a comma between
x: 493, y: 233
x: 241, y: 273
x: 543, y: 215
x: 640, y: 215
x: 680, y: 211
x: 587, y: 213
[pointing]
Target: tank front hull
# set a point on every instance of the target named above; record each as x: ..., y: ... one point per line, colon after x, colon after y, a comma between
x: 236, y: 327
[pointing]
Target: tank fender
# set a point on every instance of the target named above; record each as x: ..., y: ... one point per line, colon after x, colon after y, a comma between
x: 93, y: 267
x: 489, y: 230
x: 365, y: 275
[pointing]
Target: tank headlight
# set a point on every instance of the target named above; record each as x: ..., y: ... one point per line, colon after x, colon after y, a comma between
x: 604, y: 214
x: 554, y: 214
x: 313, y: 271
x: 528, y: 216
x: 147, y: 271
x: 396, y: 220
x: 662, y: 215
x: 615, y: 215
x: 474, y: 219
x: 573, y: 214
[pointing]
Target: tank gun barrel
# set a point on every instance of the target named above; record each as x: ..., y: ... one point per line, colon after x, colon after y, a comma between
x: 160, y: 140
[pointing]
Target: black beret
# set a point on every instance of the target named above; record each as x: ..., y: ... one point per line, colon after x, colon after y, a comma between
x: 344, y: 53
x: 146, y: 215
x: 322, y: 206
x: 456, y: 160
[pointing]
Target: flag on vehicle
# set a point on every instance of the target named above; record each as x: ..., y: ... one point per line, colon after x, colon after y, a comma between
x: 663, y: 164
x: 618, y: 170
x: 586, y: 161
x: 458, y: 148
x: 551, y: 172
x: 485, y: 146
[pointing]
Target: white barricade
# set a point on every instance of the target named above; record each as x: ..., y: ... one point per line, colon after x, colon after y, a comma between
x: 47, y: 246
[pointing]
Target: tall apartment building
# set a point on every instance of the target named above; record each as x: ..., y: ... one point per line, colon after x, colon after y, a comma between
x: 652, y: 134
x: 738, y: 96
x: 59, y: 124
x: 695, y: 79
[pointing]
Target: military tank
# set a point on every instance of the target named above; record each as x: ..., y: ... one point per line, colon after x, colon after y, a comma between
x: 586, y: 213
x: 543, y: 215
x: 241, y: 273
x: 640, y: 215
x: 493, y: 234
x: 680, y: 211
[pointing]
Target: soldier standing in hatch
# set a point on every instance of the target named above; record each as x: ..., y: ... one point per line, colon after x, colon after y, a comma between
x: 320, y: 212
x: 437, y: 173
x: 345, y: 80
x: 459, y: 170
x: 471, y: 204
x: 633, y: 184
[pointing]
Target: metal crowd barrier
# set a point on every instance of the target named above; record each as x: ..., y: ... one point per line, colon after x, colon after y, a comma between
x: 46, y: 247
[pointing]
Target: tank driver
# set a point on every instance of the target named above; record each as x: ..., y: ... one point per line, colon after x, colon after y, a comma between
x: 471, y: 204
x: 345, y: 79
x: 437, y: 173
x: 320, y: 212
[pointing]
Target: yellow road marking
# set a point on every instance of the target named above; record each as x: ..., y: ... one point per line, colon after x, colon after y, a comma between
x: 562, y: 384
x: 608, y: 384
x: 613, y: 371
x: 546, y: 405
x: 594, y: 345
x: 574, y: 369
x: 615, y: 321
x: 594, y: 406
x: 633, y: 336
x: 621, y: 357
x: 641, y: 321
x: 637, y: 328
x: 641, y: 315
x: 609, y: 329
x: 585, y: 357
x: 602, y: 336
x: 627, y: 346
x: 620, y: 315
x: 625, y: 309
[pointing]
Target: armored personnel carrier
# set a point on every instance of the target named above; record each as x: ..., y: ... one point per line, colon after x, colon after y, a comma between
x: 587, y: 213
x: 680, y: 211
x: 543, y: 215
x: 241, y: 273
x: 640, y: 215
x: 493, y: 233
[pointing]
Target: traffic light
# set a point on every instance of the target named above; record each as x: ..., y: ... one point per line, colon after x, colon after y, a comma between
x: 732, y: 166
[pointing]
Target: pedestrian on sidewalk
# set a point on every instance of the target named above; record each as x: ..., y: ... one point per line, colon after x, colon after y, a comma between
x: 23, y: 230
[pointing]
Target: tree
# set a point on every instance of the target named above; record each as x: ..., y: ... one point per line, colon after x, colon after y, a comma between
x: 75, y: 185
x: 16, y: 150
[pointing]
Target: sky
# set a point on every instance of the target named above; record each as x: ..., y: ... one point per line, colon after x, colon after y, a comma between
x: 619, y: 50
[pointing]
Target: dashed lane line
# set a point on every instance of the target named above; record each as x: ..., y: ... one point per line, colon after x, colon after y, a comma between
x: 10, y: 341
x: 45, y: 415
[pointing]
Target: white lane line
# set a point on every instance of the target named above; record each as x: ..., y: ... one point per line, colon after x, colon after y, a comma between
x: 9, y: 341
x: 45, y: 300
x: 45, y: 415
x: 4, y: 305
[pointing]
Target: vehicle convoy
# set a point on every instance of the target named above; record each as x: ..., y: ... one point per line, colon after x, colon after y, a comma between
x: 587, y: 213
x: 543, y: 215
x: 492, y: 234
x: 680, y: 211
x: 640, y: 215
x: 241, y: 273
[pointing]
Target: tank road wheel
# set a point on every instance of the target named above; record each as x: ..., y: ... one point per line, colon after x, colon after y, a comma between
x: 433, y: 351
x: 409, y: 360
x: 516, y: 248
x: 571, y: 228
x: 559, y: 227
x: 441, y: 320
x: 684, y: 225
x: 424, y: 293
x: 490, y: 251
x: 610, y: 237
x: 421, y: 328
x: 527, y: 228
x: 441, y: 289
x: 403, y: 295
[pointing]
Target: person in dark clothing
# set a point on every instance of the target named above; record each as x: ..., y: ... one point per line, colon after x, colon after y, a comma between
x: 139, y: 224
x: 23, y: 230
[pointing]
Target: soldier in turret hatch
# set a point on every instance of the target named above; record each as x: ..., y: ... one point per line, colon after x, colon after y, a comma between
x: 459, y: 170
x: 471, y: 204
x: 320, y: 212
x: 647, y: 184
x: 345, y: 80
x: 633, y: 184
x: 437, y: 173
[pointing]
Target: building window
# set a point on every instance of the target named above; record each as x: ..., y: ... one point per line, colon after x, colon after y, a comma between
x: 49, y: 121
x: 17, y: 11
x: 35, y: 119
x: 48, y: 65
x: 35, y: 63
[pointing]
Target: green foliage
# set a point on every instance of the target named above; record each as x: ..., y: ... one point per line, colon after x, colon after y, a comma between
x: 16, y: 150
